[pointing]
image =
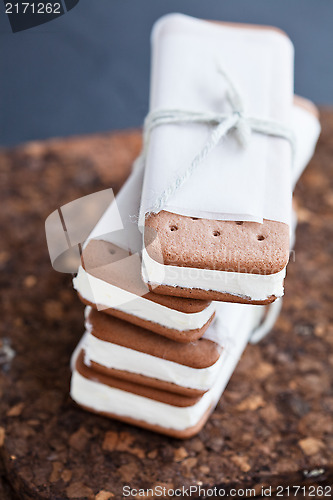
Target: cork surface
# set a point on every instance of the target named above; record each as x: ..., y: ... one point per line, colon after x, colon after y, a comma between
x: 199, y: 354
x: 274, y: 422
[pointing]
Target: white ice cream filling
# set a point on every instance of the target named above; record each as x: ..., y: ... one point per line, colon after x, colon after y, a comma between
x: 247, y: 285
x: 104, y: 294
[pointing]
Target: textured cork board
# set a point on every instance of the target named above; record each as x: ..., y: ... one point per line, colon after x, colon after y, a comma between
x: 274, y: 424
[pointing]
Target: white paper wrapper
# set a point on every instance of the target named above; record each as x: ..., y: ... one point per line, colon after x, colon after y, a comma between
x: 233, y: 183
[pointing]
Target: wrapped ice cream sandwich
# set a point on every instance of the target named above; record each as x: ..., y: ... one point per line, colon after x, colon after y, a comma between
x: 152, y: 406
x: 109, y: 277
x: 218, y: 156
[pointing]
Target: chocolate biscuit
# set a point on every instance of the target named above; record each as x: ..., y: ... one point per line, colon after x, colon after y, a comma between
x: 198, y: 354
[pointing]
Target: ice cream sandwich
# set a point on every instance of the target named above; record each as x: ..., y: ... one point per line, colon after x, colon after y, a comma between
x: 221, y: 229
x: 110, y: 280
x: 123, y: 350
x: 154, y: 408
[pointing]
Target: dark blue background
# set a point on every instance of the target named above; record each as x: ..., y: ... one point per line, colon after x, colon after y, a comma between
x: 88, y: 71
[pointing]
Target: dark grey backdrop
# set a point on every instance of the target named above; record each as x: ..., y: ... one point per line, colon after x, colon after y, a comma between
x: 88, y: 71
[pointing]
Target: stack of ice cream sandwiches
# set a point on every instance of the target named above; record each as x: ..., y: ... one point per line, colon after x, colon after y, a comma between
x: 198, y: 268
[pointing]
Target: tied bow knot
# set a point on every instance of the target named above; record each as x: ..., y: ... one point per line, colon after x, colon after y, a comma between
x: 236, y: 102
